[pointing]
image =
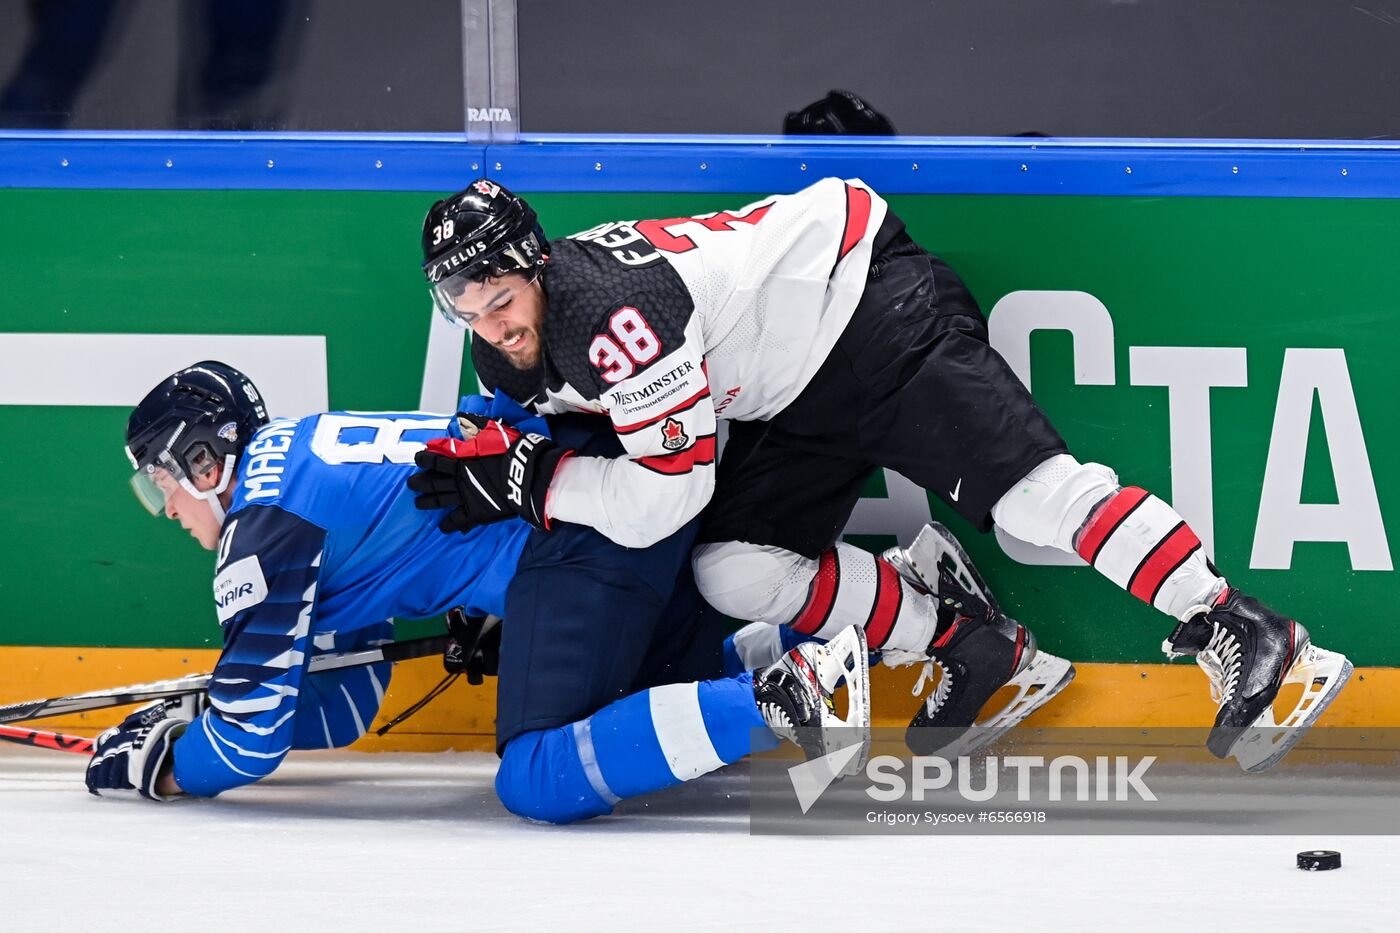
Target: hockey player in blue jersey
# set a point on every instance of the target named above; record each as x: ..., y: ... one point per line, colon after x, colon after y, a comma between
x: 610, y: 678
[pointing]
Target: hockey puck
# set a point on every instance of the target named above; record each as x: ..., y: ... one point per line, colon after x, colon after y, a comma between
x: 1319, y: 860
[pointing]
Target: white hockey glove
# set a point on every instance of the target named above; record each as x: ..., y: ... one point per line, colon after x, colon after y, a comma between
x: 129, y: 758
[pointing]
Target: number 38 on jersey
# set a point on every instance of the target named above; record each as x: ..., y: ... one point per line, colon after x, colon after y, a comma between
x: 629, y: 344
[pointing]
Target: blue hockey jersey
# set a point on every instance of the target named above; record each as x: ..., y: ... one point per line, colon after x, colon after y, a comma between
x: 321, y: 549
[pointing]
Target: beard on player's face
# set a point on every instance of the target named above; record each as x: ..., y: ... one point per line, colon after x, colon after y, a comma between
x: 524, y: 352
x: 514, y: 327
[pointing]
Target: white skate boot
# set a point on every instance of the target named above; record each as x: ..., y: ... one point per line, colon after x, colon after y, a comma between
x: 795, y: 696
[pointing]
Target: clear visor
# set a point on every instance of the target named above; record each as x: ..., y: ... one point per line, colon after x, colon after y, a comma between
x: 155, y: 483
x: 464, y: 300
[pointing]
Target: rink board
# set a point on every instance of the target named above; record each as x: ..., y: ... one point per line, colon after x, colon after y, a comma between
x: 463, y: 718
x: 1276, y: 259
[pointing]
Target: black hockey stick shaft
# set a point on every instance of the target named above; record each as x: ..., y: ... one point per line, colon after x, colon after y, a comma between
x: 197, y: 683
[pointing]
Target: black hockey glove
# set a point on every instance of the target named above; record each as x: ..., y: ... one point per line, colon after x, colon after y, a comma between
x: 128, y: 758
x: 473, y: 647
x: 496, y: 474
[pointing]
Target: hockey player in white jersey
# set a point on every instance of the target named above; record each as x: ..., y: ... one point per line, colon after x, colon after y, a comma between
x: 833, y: 344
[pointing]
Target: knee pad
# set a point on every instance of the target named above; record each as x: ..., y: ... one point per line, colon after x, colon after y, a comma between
x: 751, y: 581
x: 541, y: 778
x: 1050, y: 504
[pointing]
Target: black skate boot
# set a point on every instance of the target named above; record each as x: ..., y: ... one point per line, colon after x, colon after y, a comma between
x: 794, y: 696
x: 1249, y: 652
x: 977, y: 648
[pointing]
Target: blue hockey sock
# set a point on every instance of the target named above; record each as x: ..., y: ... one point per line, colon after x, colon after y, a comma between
x: 641, y: 743
x: 758, y: 645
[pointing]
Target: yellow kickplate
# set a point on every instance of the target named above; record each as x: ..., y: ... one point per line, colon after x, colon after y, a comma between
x: 1143, y: 695
x: 463, y: 718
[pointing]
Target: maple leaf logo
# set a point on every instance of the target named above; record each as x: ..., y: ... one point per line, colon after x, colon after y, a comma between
x: 673, y: 436
x: 487, y: 188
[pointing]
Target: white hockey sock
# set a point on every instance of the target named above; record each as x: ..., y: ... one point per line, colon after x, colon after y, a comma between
x: 852, y: 587
x: 843, y: 586
x: 1128, y: 535
x: 1141, y: 543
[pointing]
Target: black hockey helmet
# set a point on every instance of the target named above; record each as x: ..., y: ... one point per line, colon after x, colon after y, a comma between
x: 199, y: 418
x: 839, y: 113
x: 482, y: 231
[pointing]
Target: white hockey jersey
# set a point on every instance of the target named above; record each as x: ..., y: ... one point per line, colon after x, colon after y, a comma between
x: 667, y: 325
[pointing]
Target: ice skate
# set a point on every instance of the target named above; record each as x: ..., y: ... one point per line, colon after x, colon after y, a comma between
x: 1249, y: 652
x: 977, y: 649
x: 795, y: 696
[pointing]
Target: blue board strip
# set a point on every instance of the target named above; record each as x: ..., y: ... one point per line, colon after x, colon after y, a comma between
x: 904, y: 165
x: 1022, y: 167
x: 220, y: 161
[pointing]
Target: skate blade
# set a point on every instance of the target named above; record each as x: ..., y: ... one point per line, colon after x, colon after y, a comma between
x: 1323, y: 674
x: 847, y: 658
x: 1042, y: 680
x: 935, y: 544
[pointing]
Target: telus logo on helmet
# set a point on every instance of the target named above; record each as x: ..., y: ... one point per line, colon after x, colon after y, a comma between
x: 450, y: 264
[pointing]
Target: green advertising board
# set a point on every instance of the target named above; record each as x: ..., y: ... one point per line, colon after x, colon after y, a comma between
x: 1236, y: 355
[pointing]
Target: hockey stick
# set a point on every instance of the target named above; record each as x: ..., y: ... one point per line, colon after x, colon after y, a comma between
x: 197, y: 683
x: 57, y: 741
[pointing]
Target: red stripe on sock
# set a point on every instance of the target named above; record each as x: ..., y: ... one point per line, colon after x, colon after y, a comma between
x: 889, y: 596
x: 821, y: 595
x: 1161, y: 561
x: 1110, y: 514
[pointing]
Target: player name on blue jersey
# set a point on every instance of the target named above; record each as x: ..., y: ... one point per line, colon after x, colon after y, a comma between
x: 322, y: 548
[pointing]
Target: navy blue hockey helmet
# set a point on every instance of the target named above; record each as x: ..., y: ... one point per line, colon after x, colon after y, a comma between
x: 482, y: 231
x: 199, y: 418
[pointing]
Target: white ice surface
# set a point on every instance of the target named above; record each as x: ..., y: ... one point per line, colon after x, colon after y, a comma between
x: 402, y: 842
